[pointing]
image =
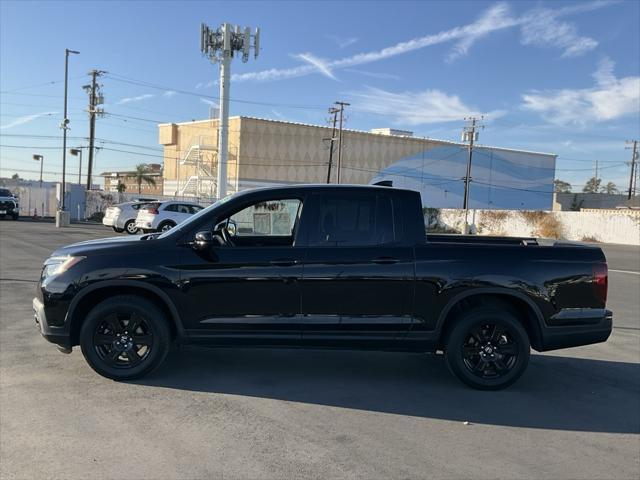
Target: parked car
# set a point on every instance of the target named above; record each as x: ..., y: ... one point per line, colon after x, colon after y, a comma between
x: 323, y: 267
x: 9, y: 206
x: 122, y: 217
x: 163, y: 216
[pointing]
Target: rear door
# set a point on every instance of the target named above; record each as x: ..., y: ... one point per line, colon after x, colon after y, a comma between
x: 357, y: 285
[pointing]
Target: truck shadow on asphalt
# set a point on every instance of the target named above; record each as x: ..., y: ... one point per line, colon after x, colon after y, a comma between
x: 562, y: 393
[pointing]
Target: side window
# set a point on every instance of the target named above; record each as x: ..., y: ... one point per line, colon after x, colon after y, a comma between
x: 184, y: 209
x: 194, y: 208
x: 354, y: 220
x: 172, y: 207
x: 271, y: 218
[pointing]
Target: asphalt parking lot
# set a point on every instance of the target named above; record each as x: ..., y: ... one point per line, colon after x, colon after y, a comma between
x: 249, y: 413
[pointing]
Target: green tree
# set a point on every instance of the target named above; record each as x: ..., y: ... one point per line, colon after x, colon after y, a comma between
x: 610, y: 188
x: 560, y: 186
x: 15, y: 176
x: 143, y: 174
x: 592, y: 185
x: 121, y: 187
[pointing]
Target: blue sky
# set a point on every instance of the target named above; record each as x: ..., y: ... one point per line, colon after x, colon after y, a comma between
x: 557, y: 77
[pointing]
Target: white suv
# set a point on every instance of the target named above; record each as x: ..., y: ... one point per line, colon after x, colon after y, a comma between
x: 122, y: 217
x: 162, y: 216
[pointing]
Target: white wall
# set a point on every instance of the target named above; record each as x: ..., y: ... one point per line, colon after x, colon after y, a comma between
x: 607, y: 226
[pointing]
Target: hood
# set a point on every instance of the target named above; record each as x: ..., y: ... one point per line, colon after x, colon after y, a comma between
x: 104, y: 244
x: 4, y: 199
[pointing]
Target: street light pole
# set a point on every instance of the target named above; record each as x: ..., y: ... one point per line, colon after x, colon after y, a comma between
x: 40, y: 158
x: 78, y: 152
x: 65, y: 124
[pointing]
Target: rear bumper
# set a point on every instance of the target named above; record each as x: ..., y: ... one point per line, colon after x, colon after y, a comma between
x: 54, y: 334
x: 575, y: 327
x: 109, y: 221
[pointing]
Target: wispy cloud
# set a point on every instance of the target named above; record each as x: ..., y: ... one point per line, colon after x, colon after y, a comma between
x: 211, y: 103
x: 539, y: 27
x: 322, y: 65
x: 380, y: 75
x: 608, y: 99
x: 139, y: 98
x: 169, y: 93
x: 543, y: 29
x: 26, y: 119
x: 343, y: 42
x: 415, y: 108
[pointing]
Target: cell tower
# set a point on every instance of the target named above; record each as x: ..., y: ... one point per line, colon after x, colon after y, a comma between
x: 220, y: 45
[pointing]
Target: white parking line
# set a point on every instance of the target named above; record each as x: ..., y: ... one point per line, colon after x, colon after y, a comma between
x: 625, y: 271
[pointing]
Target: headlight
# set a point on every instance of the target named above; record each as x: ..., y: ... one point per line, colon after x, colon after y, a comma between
x: 58, y: 265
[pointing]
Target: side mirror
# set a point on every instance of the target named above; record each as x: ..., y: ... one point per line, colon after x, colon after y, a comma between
x: 203, y: 241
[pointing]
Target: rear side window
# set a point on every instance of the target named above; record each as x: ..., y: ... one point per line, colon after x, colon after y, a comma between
x: 354, y: 220
x: 172, y: 207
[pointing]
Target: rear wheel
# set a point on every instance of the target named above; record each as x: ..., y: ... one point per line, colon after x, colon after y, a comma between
x: 15, y: 216
x: 487, y: 348
x: 125, y: 337
x: 130, y: 227
x: 118, y: 230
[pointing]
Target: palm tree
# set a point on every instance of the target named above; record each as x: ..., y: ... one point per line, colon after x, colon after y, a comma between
x: 142, y: 174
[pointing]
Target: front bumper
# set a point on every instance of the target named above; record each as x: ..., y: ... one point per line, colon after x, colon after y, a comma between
x: 577, y: 326
x: 54, y: 334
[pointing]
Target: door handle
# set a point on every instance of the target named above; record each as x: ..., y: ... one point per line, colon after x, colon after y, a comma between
x: 385, y: 260
x: 283, y: 262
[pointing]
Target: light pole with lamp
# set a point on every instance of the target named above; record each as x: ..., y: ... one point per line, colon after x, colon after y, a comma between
x: 40, y: 158
x: 78, y: 152
x: 62, y: 220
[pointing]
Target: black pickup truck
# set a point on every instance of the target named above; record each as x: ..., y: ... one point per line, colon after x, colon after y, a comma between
x: 323, y: 267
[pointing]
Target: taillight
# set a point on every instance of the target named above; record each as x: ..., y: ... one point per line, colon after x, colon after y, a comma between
x: 600, y: 281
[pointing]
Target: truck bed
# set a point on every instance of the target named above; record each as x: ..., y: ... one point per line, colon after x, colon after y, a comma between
x: 482, y: 239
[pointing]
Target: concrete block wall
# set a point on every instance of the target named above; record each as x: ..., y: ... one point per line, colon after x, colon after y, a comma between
x: 605, y: 226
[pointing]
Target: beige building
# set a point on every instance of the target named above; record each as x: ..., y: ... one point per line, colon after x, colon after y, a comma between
x: 272, y: 152
x: 128, y: 179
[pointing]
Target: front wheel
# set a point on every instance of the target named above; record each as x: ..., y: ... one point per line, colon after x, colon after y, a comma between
x: 130, y: 227
x: 165, y: 226
x: 487, y: 348
x: 125, y: 337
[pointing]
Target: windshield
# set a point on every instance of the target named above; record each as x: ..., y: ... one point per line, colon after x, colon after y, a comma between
x: 5, y: 193
x: 181, y: 227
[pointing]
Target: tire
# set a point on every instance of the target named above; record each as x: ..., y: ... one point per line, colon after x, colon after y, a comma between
x: 481, y: 356
x: 118, y: 230
x: 130, y: 227
x: 102, y: 335
x: 164, y: 226
x: 16, y: 217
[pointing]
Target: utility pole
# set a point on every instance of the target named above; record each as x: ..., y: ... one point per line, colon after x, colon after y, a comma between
x: 95, y: 99
x: 469, y: 134
x: 634, y: 166
x: 333, y: 111
x: 220, y: 46
x: 341, y: 112
x: 65, y: 125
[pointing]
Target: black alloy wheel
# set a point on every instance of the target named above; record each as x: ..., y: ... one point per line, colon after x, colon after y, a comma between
x: 487, y: 347
x: 489, y: 351
x: 125, y: 337
x: 123, y: 340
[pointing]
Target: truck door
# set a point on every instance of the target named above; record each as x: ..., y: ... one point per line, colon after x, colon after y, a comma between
x: 246, y: 291
x: 357, y: 283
